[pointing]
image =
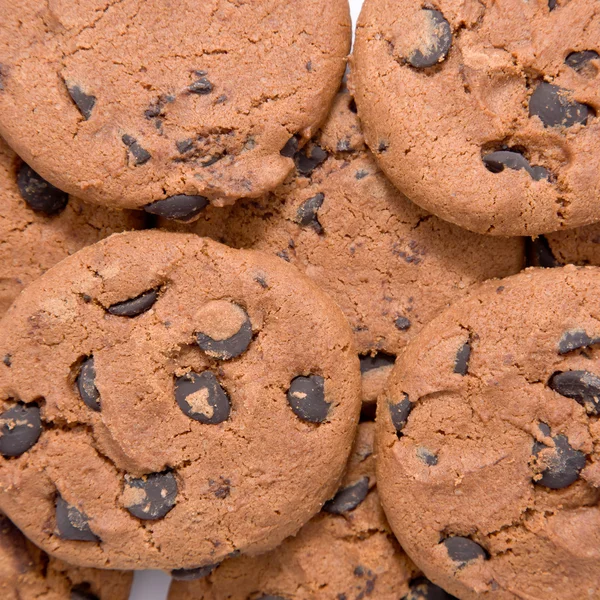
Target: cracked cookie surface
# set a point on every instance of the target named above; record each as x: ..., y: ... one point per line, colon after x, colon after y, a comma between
x: 152, y: 413
x: 488, y: 440
x: 483, y: 112
x: 167, y: 105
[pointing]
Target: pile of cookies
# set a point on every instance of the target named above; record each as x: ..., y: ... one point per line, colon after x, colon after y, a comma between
x: 289, y: 330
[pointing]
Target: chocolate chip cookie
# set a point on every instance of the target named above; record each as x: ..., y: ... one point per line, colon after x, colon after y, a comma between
x: 580, y: 246
x: 27, y: 573
x: 166, y: 402
x: 346, y: 551
x: 388, y: 264
x: 40, y: 225
x: 489, y: 440
x: 484, y: 112
x: 167, y: 106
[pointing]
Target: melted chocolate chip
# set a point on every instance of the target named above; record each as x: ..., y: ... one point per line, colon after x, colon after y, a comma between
x: 193, y: 574
x: 575, y: 339
x: 580, y: 60
x: 83, y: 592
x: 72, y: 524
x: 539, y: 253
x: 40, y: 195
x: 84, y: 102
x: 180, y: 207
x: 496, y: 162
x: 463, y: 550
x: 231, y: 347
x: 201, y: 86
x: 348, y: 498
x: 20, y: 429
x: 552, y: 105
x: 306, y: 396
x: 135, y: 306
x: 437, y: 45
x: 423, y: 589
x: 307, y: 213
x: 291, y: 147
x: 369, y: 362
x: 402, y: 323
x: 86, y: 384
x: 399, y: 412
x: 307, y: 162
x: 201, y: 397
x: 563, y: 465
x: 141, y: 156
x: 582, y: 386
x: 461, y: 362
x: 152, y: 496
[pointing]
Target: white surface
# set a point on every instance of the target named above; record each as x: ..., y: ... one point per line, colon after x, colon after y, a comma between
x: 154, y: 585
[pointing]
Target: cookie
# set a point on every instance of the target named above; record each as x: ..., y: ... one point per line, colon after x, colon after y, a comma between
x: 167, y: 402
x: 40, y: 225
x: 485, y: 113
x: 488, y: 440
x: 27, y: 573
x: 346, y: 551
x: 388, y: 264
x: 578, y: 246
x: 186, y: 104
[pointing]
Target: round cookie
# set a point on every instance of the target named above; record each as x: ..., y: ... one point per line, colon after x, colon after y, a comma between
x: 389, y: 265
x: 485, y: 113
x: 346, y: 551
x: 166, y: 401
x: 40, y: 225
x: 186, y: 104
x: 580, y: 246
x: 488, y: 440
x: 27, y: 573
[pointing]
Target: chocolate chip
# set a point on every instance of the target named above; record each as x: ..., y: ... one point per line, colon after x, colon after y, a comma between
x: 291, y: 147
x: 20, y: 429
x: 582, y: 386
x: 575, y: 339
x: 201, y: 86
x: 307, y: 162
x: 496, y: 162
x: 423, y: 589
x: 402, y: 323
x: 438, y: 41
x: 7, y: 360
x: 427, y: 456
x: 361, y: 174
x: 461, y: 361
x: 383, y: 146
x: 180, y: 207
x: 84, y: 102
x: 83, y: 592
x: 72, y: 524
x: 211, y: 160
x: 193, y: 574
x: 552, y: 4
x: 40, y: 195
x: 307, y: 398
x: 229, y: 348
x: 348, y: 498
x: 201, y: 397
x: 307, y: 213
x: 152, y: 496
x: 86, y: 384
x: 463, y: 550
x: 399, y: 412
x: 184, y: 146
x: 539, y: 253
x: 141, y: 155
x: 552, y: 105
x: 134, y: 306
x: 580, y: 60
x: 368, y: 362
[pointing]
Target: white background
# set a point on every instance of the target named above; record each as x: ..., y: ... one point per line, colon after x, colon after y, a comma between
x: 154, y: 585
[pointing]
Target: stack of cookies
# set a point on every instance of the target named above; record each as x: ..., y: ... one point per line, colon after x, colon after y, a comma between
x: 289, y: 330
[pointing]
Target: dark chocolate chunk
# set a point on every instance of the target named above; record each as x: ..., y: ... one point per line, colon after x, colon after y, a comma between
x: 539, y: 253
x: 231, y: 347
x: 307, y: 162
x: 368, y: 362
x: 84, y: 102
x: 575, y: 339
x: 582, y: 386
x: 307, y: 213
x: 20, y: 429
x: 427, y: 456
x: 423, y: 589
x: 552, y: 105
x: 399, y: 412
x: 157, y: 495
x: 72, y: 524
x: 201, y: 86
x: 134, y: 306
x: 383, y: 146
x: 291, y: 147
x: 83, y: 591
x: 496, y: 162
x: 307, y: 398
x: 201, y: 397
x: 402, y: 323
x: 7, y: 360
x: 563, y: 465
x: 580, y: 60
x: 86, y: 384
x: 461, y: 362
x: 40, y: 195
x: 180, y: 207
x: 193, y: 574
x: 361, y: 174
x: 439, y: 39
x: 184, y: 146
x: 141, y: 155
x: 552, y: 4
x: 348, y: 498
x: 463, y: 550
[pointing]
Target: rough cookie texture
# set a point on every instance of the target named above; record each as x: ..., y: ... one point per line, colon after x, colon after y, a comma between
x: 26, y: 573
x: 488, y: 442
x: 346, y: 551
x: 31, y: 240
x: 138, y: 434
x: 580, y: 246
x: 110, y: 104
x: 388, y: 264
x: 484, y: 112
